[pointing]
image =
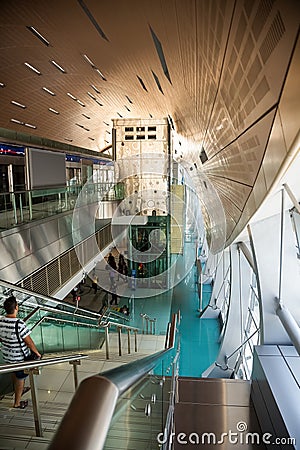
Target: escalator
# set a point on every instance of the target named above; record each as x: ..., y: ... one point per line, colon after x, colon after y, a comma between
x: 57, y: 327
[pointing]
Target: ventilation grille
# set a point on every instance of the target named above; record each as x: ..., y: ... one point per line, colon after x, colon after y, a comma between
x: 51, y: 277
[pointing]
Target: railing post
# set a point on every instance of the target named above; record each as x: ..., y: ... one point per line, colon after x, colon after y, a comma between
x: 75, y: 371
x: 128, y: 340
x: 35, y: 402
x: 135, y: 340
x: 147, y: 325
x: 107, y: 342
x: 119, y: 340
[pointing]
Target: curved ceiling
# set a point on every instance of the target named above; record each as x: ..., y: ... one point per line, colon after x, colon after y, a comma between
x: 225, y: 72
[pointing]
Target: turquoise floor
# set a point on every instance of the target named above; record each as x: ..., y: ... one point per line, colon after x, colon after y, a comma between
x: 199, y: 337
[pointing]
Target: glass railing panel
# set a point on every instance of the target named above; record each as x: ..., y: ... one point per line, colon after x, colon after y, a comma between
x: 24, y: 206
x: 141, y: 413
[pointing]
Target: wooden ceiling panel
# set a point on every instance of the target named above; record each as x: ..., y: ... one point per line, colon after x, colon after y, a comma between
x: 213, y: 66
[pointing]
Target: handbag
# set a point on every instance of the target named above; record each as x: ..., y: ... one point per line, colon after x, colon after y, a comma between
x: 32, y: 356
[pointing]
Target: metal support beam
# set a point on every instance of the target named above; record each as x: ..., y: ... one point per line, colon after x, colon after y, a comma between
x: 289, y: 323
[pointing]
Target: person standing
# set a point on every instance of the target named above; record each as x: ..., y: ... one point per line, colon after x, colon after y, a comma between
x: 95, y: 283
x: 14, y: 351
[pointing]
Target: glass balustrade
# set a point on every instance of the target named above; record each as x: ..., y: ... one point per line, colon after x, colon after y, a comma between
x: 26, y: 206
x: 141, y: 412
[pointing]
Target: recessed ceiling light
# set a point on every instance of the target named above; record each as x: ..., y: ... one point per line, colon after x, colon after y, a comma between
x: 89, y: 60
x: 92, y: 139
x: 53, y: 110
x: 105, y: 123
x: 48, y: 90
x: 85, y: 115
x: 95, y: 88
x: 17, y: 121
x: 2, y: 85
x: 98, y: 101
x: 34, y: 69
x: 69, y: 140
x: 29, y: 125
x: 130, y: 101
x: 101, y: 74
x: 127, y: 108
x: 38, y: 35
x: 91, y: 95
x: 72, y: 96
x: 80, y: 102
x: 18, y: 104
x: 108, y: 132
x: 119, y: 115
x: 58, y: 66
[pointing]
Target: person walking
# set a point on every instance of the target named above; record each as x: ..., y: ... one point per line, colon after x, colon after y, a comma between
x: 14, y: 351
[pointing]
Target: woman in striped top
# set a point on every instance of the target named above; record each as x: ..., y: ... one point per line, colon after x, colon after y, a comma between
x: 12, y: 351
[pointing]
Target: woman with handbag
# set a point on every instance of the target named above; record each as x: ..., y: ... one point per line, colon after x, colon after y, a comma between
x: 17, y: 346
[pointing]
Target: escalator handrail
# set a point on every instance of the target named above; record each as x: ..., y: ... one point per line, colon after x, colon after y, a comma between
x: 16, y: 288
x: 13, y: 367
x: 97, y: 397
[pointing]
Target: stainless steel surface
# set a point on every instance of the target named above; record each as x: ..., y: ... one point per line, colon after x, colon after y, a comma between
x: 275, y: 392
x: 35, y: 404
x: 290, y: 325
x: 214, y: 391
x: 86, y: 422
x: 209, y: 408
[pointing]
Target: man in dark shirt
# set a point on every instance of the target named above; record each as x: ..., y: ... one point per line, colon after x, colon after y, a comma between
x: 12, y: 351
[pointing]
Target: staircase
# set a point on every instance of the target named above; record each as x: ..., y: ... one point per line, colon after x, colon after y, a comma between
x: 55, y: 390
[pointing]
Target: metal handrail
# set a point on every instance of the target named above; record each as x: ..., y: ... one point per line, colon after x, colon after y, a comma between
x: 58, y: 311
x: 13, y: 367
x: 97, y: 397
x: 17, y: 288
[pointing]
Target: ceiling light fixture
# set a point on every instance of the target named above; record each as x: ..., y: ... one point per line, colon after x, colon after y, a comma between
x: 95, y: 88
x: 53, y: 110
x: 97, y: 101
x: 101, y: 74
x: 17, y: 121
x: 48, y: 90
x: 38, y: 35
x: 85, y: 115
x: 80, y: 102
x: 2, y: 85
x: 58, y: 66
x: 91, y: 95
x: 18, y: 104
x: 72, y: 96
x: 34, y: 69
x: 29, y: 125
x: 89, y: 60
